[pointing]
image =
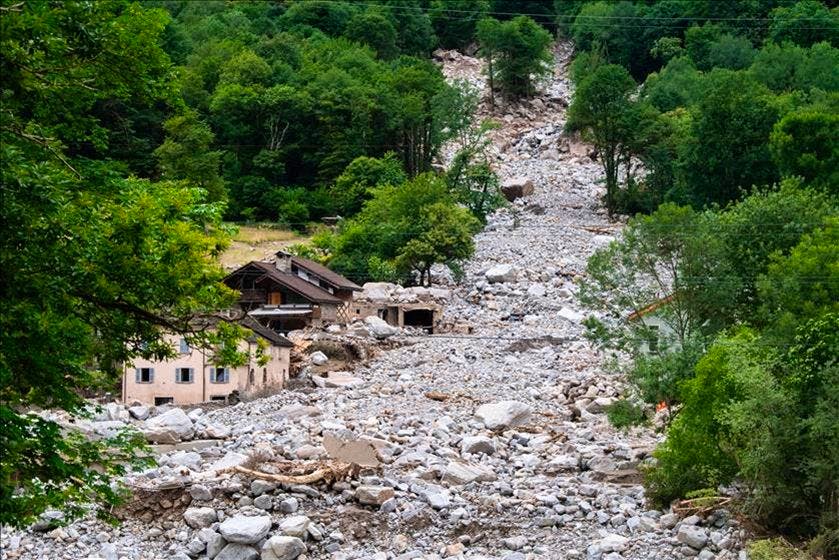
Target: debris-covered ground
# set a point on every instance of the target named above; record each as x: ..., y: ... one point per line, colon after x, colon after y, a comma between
x: 492, y: 439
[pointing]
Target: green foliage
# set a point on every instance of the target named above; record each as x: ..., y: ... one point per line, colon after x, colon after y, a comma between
x: 805, y: 23
x: 517, y: 53
x: 353, y: 186
x: 403, y: 229
x: 619, y: 126
x: 788, y: 67
x: 766, y: 223
x: 470, y: 177
x: 185, y: 154
x: 673, y: 253
x: 376, y: 31
x: 96, y: 266
x: 625, y: 414
x: 454, y: 21
x: 729, y: 151
x: 658, y: 375
x: 804, y: 283
x: 803, y: 145
x: 775, y: 549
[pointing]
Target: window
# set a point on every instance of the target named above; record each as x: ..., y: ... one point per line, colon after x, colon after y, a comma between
x: 250, y: 376
x: 160, y: 401
x: 185, y: 347
x: 144, y: 375
x: 219, y: 375
x: 264, y: 376
x: 183, y: 375
x: 218, y: 398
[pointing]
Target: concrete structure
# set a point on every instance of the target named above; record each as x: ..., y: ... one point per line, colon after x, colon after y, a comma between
x: 192, y: 377
x: 292, y: 293
x: 416, y: 307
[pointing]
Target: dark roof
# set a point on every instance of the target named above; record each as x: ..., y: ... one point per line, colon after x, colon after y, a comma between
x: 266, y: 333
x: 296, y: 284
x: 330, y: 276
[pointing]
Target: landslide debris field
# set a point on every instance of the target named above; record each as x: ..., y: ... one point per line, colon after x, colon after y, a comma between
x: 493, y: 444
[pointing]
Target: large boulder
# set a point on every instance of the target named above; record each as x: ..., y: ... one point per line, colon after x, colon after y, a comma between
x: 458, y: 473
x: 319, y: 358
x: 373, y: 495
x: 477, y: 444
x: 693, y: 536
x: 200, y: 517
x: 235, y: 551
x: 503, y: 415
x: 282, y: 548
x: 295, y: 526
x: 379, y: 328
x: 175, y: 421
x: 501, y: 273
x: 377, y: 291
x: 245, y: 530
x: 516, y: 187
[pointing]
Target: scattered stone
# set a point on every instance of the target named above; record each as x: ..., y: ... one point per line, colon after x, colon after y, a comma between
x: 503, y: 415
x: 501, y: 273
x: 693, y: 536
x: 245, y: 530
x: 373, y: 495
x: 477, y: 444
x: 236, y: 551
x: 200, y: 517
x: 516, y: 187
x: 282, y: 548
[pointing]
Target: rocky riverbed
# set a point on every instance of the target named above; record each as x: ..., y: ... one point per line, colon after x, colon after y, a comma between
x: 492, y: 438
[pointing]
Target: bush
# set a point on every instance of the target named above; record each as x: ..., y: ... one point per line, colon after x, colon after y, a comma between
x: 775, y: 549
x: 624, y: 414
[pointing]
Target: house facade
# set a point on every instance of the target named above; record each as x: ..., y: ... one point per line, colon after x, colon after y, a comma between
x: 292, y: 293
x: 191, y: 377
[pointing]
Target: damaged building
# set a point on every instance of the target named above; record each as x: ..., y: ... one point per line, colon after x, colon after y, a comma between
x: 416, y: 307
x: 292, y: 293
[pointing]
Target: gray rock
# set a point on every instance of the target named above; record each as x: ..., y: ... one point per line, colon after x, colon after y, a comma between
x: 245, y: 530
x: 139, y: 412
x: 613, y: 543
x: 174, y: 420
x: 668, y: 520
x: 693, y: 536
x: 200, y: 517
x: 379, y: 328
x: 458, y: 473
x: 295, y: 526
x: 477, y: 444
x: 201, y: 493
x: 289, y: 505
x: 235, y: 551
x: 215, y: 542
x: 264, y: 501
x: 319, y: 358
x: 501, y: 273
x: 260, y: 487
x: 373, y: 495
x: 503, y: 415
x: 516, y: 187
x: 282, y: 548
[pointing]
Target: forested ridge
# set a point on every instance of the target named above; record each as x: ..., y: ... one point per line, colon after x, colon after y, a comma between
x: 133, y: 134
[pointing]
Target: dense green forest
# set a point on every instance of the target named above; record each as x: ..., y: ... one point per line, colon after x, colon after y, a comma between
x: 131, y: 132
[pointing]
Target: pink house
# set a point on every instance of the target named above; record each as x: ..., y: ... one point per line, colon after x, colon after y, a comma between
x: 192, y: 377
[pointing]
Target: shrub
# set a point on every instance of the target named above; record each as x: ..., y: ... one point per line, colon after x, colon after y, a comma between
x: 624, y: 414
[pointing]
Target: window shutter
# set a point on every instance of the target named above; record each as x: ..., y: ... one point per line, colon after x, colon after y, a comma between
x: 136, y: 375
x: 151, y: 375
x: 191, y: 375
x: 184, y: 346
x: 212, y: 375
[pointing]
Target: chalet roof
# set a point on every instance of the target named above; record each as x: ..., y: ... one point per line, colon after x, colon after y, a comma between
x: 266, y: 333
x: 329, y: 276
x: 294, y: 283
x: 651, y: 308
